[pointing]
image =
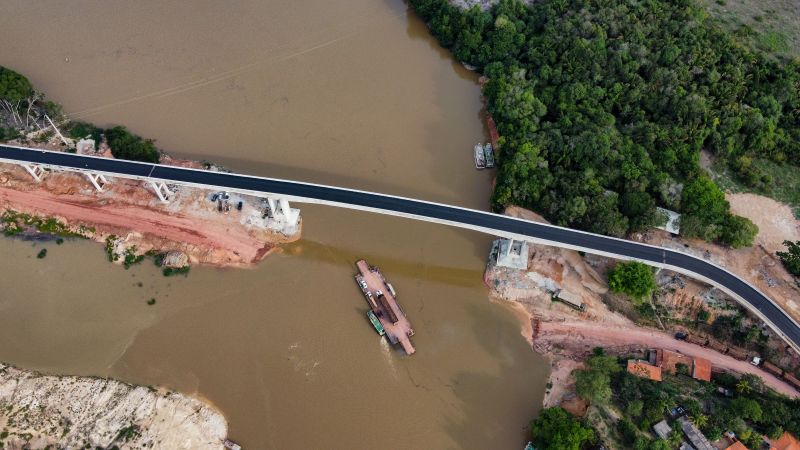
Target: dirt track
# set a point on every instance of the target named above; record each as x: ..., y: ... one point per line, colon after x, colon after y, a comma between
x: 168, y: 226
x: 576, y: 334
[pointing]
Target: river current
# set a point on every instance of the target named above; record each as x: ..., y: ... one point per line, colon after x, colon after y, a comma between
x: 355, y: 94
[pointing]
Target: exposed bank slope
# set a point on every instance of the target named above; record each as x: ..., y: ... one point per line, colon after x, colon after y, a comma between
x: 37, y: 411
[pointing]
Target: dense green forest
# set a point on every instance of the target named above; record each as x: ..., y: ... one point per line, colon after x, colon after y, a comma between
x: 604, y: 107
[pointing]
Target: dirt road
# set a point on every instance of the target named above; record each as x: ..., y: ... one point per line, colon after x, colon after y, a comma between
x: 572, y: 334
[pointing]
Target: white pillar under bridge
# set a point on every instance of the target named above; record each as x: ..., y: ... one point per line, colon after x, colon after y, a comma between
x: 281, y: 210
x: 36, y: 171
x: 98, y: 180
x: 161, y: 189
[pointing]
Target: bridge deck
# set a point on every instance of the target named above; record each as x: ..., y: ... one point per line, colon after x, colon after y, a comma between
x: 485, y: 222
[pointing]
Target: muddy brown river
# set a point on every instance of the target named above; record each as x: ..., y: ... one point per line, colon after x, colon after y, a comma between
x: 355, y: 94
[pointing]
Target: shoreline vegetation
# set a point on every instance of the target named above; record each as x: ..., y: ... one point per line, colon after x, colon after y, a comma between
x: 603, y: 109
x: 184, y: 232
x: 39, y: 410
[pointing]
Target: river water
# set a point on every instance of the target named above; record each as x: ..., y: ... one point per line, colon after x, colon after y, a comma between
x: 352, y: 93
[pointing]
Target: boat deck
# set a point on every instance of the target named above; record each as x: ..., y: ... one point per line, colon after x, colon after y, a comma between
x: 398, y: 332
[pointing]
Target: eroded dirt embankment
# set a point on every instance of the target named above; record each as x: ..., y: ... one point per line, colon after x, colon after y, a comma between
x: 129, y: 210
x: 39, y: 411
x: 568, y: 336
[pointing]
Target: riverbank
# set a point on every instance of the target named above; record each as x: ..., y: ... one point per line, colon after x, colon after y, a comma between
x: 130, y: 219
x: 567, y: 336
x: 40, y: 411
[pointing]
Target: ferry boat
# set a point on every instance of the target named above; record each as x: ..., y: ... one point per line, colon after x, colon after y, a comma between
x: 375, y: 322
x: 488, y: 153
x: 384, y: 312
x: 480, y: 158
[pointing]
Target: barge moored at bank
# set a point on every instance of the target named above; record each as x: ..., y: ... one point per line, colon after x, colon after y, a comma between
x: 384, y: 313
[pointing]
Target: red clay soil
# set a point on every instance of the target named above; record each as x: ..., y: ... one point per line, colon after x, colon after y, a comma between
x: 172, y: 227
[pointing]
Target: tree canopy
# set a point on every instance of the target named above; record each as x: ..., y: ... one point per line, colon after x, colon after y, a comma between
x: 791, y: 257
x: 632, y: 278
x: 126, y: 145
x: 604, y: 107
x: 14, y: 87
x: 594, y: 383
x: 555, y: 429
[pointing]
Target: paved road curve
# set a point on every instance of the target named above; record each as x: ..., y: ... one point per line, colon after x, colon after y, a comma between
x: 433, y: 212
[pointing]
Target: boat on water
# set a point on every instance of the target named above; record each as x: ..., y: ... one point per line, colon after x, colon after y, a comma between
x: 375, y: 322
x: 488, y: 153
x: 480, y: 158
x: 384, y: 312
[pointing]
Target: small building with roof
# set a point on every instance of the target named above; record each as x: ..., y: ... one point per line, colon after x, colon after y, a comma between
x: 787, y: 441
x: 701, y: 369
x: 643, y: 369
x: 695, y: 437
x: 737, y: 445
x: 662, y: 429
x: 673, y: 225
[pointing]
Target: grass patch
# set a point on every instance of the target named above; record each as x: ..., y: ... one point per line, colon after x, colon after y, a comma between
x: 785, y: 188
x: 14, y: 223
x: 773, y: 41
x: 769, y: 25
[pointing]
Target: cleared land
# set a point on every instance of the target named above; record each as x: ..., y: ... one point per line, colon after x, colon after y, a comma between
x: 769, y: 25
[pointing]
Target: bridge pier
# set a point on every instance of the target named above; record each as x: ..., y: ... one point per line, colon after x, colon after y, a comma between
x: 161, y: 189
x: 98, y: 180
x: 36, y: 171
x: 290, y: 214
x: 280, y: 208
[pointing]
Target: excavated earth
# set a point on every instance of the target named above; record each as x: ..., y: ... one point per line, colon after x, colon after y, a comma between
x: 567, y: 336
x: 189, y: 223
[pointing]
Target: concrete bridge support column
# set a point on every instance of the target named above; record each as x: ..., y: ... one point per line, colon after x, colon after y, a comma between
x: 36, y: 171
x: 98, y: 180
x: 161, y: 189
x: 510, y: 246
x: 290, y: 214
x: 273, y: 205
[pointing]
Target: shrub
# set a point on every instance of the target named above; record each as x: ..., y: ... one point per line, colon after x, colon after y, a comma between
x: 81, y: 130
x: 126, y: 145
x: 632, y: 278
x: 556, y: 429
x: 42, y: 253
x: 627, y: 430
x: 172, y: 271
x: 738, y: 231
x: 791, y: 258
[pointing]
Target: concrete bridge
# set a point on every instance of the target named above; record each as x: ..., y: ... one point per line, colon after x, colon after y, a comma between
x: 280, y: 193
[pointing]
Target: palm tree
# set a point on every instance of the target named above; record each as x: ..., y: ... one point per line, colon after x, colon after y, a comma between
x: 743, y: 386
x: 699, y: 420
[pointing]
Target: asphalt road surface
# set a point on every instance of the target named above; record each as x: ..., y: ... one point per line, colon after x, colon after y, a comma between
x: 425, y: 211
